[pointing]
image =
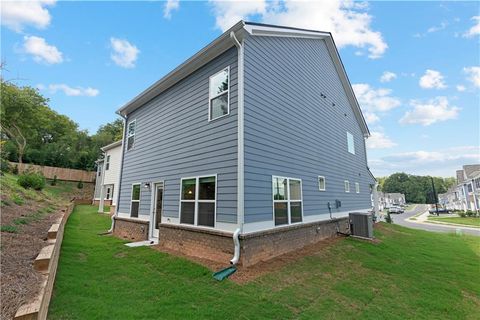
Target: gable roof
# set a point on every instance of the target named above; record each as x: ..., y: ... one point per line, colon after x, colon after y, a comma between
x: 111, y: 145
x: 224, y: 42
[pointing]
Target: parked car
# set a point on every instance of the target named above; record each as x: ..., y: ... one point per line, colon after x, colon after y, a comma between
x: 440, y: 210
x: 394, y: 210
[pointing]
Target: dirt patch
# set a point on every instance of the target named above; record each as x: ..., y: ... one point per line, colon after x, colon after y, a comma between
x: 244, y: 275
x: 29, y: 224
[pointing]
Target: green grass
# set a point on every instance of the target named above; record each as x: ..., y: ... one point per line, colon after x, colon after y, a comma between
x: 409, y: 274
x: 7, y: 228
x: 468, y: 221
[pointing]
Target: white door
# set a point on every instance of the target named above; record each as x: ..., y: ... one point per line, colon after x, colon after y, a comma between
x: 156, y: 217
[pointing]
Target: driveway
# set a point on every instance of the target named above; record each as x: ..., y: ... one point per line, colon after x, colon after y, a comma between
x: 402, y: 219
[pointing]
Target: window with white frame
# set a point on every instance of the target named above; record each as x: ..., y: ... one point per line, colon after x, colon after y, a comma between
x: 357, y: 187
x: 347, y: 186
x: 219, y: 94
x: 135, y: 201
x: 350, y: 143
x: 198, y: 201
x: 108, y: 193
x: 321, y: 183
x: 107, y: 163
x: 131, y: 134
x: 287, y: 200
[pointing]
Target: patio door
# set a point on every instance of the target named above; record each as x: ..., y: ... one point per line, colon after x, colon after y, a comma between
x: 156, y: 218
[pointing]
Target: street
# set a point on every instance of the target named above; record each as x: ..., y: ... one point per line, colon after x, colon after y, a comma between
x: 401, y: 219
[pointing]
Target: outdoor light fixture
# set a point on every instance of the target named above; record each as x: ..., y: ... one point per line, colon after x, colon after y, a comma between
x: 146, y: 185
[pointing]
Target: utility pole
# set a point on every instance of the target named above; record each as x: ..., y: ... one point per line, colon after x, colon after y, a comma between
x: 434, y: 196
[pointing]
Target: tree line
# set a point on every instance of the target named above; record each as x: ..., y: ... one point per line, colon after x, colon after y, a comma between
x: 417, y: 189
x: 31, y: 132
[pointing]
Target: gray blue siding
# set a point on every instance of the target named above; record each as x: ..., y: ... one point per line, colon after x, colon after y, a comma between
x: 290, y: 130
x: 174, y: 139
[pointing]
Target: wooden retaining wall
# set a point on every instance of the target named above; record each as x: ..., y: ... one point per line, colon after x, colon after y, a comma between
x: 46, y: 263
x: 61, y: 173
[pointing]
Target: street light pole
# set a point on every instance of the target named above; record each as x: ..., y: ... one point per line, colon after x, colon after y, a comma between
x: 434, y: 196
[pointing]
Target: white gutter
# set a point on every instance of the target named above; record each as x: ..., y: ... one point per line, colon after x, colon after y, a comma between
x: 102, y: 189
x: 117, y: 205
x: 240, y: 150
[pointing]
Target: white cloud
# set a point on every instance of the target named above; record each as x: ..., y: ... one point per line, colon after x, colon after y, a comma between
x: 427, y: 113
x: 170, y: 6
x: 475, y: 29
x: 461, y: 88
x: 371, y: 118
x: 378, y: 140
x: 473, y: 74
x: 375, y: 100
x: 387, y: 76
x: 348, y: 21
x: 41, y: 50
x: 18, y: 14
x: 432, y: 79
x: 124, y: 53
x: 72, y: 91
x: 442, y: 26
x: 441, y: 162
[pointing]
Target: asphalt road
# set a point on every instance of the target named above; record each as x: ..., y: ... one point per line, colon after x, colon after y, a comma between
x: 400, y: 219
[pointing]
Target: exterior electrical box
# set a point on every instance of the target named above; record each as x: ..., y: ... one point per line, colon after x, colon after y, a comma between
x: 361, y: 224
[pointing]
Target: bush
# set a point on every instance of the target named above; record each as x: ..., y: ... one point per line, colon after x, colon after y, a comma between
x: 80, y: 185
x: 4, y: 165
x: 470, y: 213
x: 462, y: 214
x: 15, y: 170
x: 31, y: 180
x: 388, y: 218
x: 54, y: 181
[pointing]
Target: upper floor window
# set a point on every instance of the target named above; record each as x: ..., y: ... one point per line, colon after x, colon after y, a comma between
x: 131, y: 134
x: 347, y: 186
x: 357, y: 187
x: 351, y: 143
x: 107, y: 163
x: 219, y: 97
x: 198, y: 201
x: 321, y: 183
x: 287, y: 200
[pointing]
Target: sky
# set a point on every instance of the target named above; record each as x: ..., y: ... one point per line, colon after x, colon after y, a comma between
x: 414, y: 66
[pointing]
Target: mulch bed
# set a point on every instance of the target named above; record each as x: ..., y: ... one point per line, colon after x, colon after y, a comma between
x: 244, y: 275
x: 20, y: 283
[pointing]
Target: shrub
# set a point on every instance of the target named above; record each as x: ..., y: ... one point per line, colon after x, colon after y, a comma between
x: 80, y: 185
x: 388, y: 218
x: 4, y: 165
x: 470, y: 213
x: 18, y: 200
x: 31, y: 180
x: 462, y: 214
x: 15, y: 170
x: 54, y: 181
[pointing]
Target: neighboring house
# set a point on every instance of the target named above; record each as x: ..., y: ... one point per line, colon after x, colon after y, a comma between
x: 258, y: 134
x: 466, y: 194
x: 387, y: 200
x: 108, y: 175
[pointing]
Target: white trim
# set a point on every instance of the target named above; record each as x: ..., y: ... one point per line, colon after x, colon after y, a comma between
x: 240, y: 133
x: 357, y: 187
x: 324, y: 183
x: 131, y: 198
x: 107, y: 162
x: 131, y: 135
x: 257, y: 30
x: 197, y: 201
x: 218, y: 95
x: 346, y: 186
x: 288, y: 200
x: 269, y: 225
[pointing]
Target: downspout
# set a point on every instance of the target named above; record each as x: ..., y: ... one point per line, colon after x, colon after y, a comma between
x: 102, y: 189
x: 240, y: 151
x: 117, y: 205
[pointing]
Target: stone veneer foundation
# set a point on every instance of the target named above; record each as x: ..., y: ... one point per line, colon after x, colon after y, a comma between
x: 218, y: 245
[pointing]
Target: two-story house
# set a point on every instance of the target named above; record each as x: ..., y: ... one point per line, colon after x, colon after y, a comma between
x: 108, y: 175
x: 258, y: 137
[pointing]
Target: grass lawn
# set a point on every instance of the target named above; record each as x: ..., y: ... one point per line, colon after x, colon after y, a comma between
x: 469, y: 221
x: 409, y: 274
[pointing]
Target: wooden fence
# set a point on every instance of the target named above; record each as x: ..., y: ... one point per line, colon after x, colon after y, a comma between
x: 61, y: 173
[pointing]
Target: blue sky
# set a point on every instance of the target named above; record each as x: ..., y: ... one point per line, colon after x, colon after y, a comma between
x: 414, y: 65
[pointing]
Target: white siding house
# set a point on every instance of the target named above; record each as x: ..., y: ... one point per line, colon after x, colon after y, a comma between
x: 108, y: 175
